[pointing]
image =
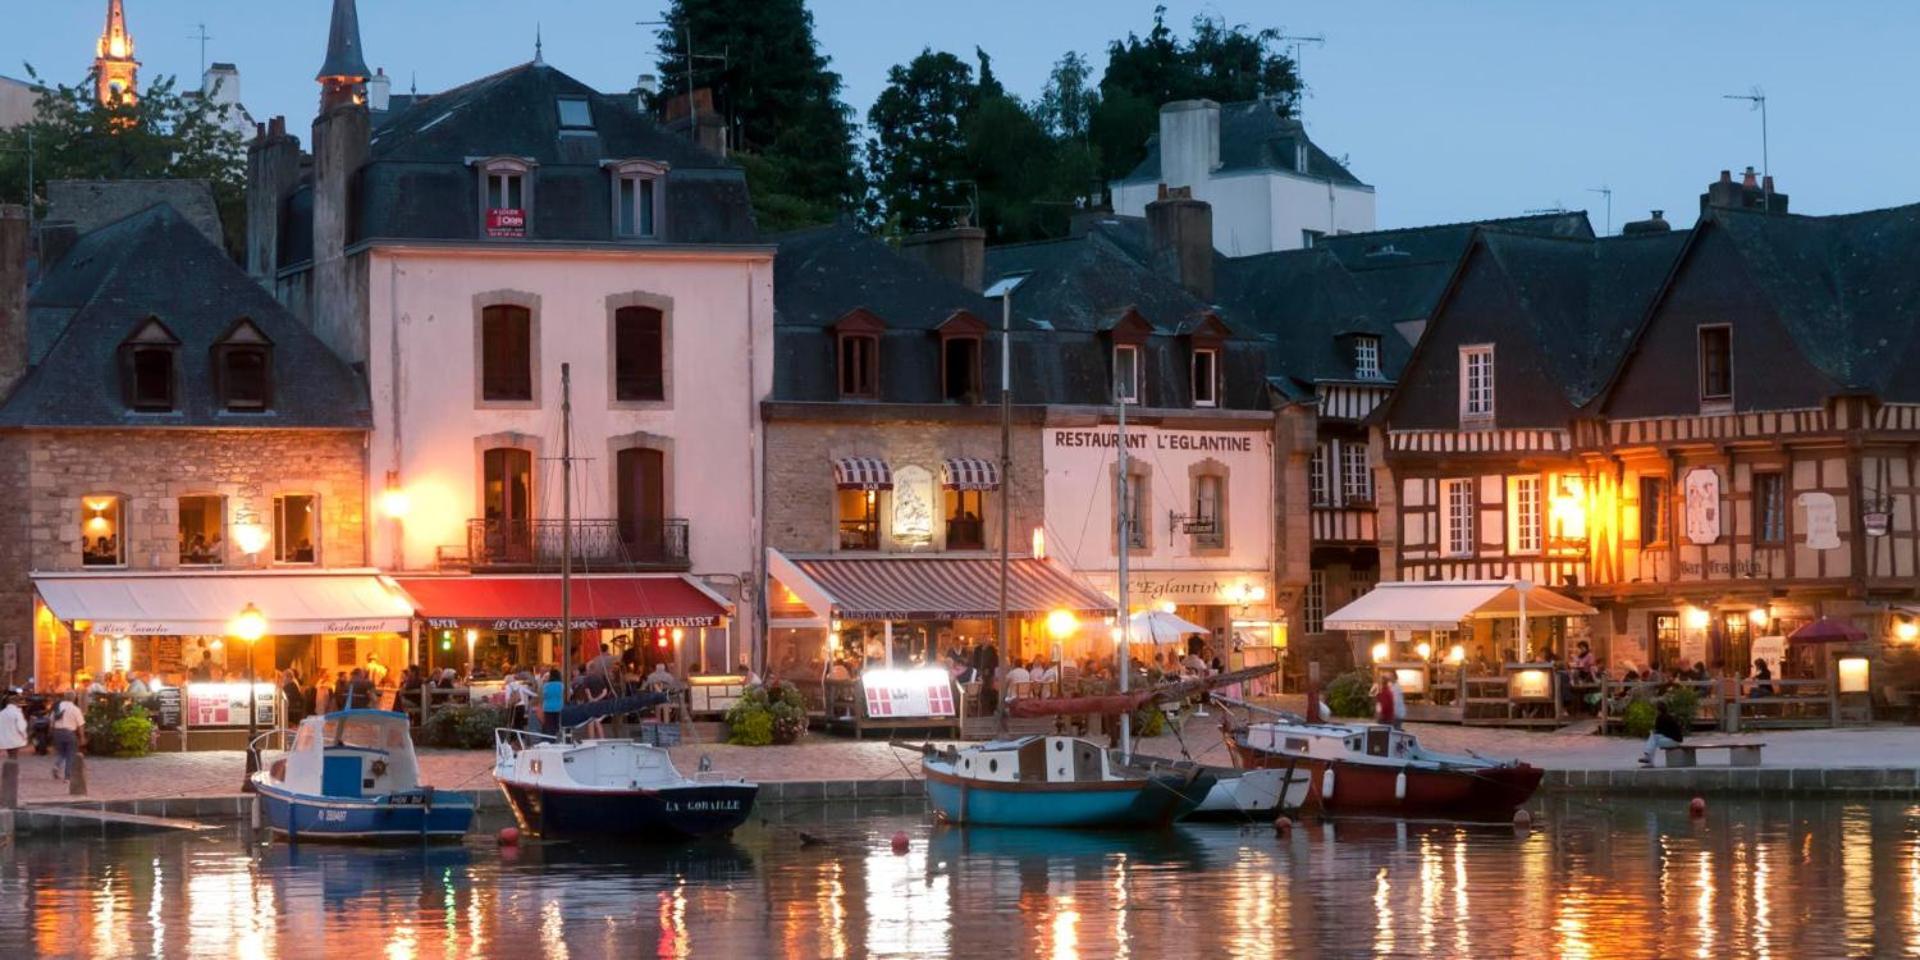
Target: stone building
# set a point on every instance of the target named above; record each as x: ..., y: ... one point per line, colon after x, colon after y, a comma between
x: 180, y: 446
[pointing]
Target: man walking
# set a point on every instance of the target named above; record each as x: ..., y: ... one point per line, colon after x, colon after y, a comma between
x: 67, y: 722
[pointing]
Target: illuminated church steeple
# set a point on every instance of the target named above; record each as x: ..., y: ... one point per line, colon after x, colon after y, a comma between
x: 118, y: 72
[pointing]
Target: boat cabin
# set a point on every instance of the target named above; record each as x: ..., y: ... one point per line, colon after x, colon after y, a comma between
x: 608, y: 764
x: 352, y: 753
x: 1334, y: 741
x: 1036, y: 759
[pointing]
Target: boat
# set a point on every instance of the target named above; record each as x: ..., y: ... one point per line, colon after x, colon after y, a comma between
x: 1261, y: 794
x: 609, y: 789
x: 352, y: 775
x: 1376, y: 770
x: 1057, y: 781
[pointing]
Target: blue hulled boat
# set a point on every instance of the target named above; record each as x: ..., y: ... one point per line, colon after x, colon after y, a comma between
x: 1053, y: 781
x: 352, y: 775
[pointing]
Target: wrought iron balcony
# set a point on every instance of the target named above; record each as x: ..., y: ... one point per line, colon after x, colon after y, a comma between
x: 535, y: 545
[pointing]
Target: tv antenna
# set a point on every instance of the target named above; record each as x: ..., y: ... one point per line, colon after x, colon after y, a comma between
x: 1300, y: 74
x: 1758, y: 98
x: 1607, y: 192
x: 686, y: 34
x: 203, y: 37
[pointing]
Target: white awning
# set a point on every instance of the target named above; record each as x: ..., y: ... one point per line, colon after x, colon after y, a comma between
x: 1445, y: 605
x: 202, y: 604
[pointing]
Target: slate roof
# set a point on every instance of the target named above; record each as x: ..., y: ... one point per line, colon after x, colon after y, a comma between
x: 1401, y: 273
x: 1253, y: 136
x: 156, y: 264
x: 1305, y: 303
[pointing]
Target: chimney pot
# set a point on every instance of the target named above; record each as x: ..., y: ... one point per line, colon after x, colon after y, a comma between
x: 957, y: 253
x: 1748, y: 179
x: 1726, y: 176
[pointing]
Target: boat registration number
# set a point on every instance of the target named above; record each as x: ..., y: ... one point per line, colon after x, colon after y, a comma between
x: 406, y: 800
x: 703, y: 806
x: 333, y: 816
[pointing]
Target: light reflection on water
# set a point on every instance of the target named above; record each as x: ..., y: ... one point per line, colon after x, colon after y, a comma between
x: 1595, y: 880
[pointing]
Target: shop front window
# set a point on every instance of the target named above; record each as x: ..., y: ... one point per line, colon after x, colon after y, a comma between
x: 859, y: 519
x: 101, y: 544
x: 966, y: 525
x: 202, y: 531
x: 294, y: 517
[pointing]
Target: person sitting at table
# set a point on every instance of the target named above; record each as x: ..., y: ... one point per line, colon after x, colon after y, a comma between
x: 839, y: 671
x: 662, y: 678
x: 1762, y: 680
x: 1044, y: 672
x: 1018, y: 675
x: 1582, y: 662
x: 1699, y: 671
x: 1194, y: 665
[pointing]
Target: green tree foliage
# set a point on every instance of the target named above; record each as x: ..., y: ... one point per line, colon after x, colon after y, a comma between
x: 916, y: 161
x: 780, y: 99
x: 165, y: 134
x: 1220, y: 62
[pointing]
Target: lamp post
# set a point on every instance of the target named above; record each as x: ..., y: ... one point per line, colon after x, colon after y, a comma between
x: 249, y: 626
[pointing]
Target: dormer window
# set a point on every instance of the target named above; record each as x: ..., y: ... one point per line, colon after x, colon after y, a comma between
x: 147, y: 368
x: 506, y: 198
x: 857, y: 341
x: 1476, y: 384
x: 1126, y: 373
x: 960, y: 358
x: 1205, y: 336
x: 574, y: 113
x: 1366, y: 357
x: 1206, y: 377
x: 243, y: 369
x: 636, y: 199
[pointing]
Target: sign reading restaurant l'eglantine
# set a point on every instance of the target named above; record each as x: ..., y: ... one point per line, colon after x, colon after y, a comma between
x: 1144, y: 440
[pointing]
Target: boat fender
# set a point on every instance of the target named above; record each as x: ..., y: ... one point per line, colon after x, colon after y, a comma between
x: 1326, y: 784
x: 1400, y: 785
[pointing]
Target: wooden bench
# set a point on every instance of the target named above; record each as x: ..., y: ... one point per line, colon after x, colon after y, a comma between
x: 1740, y: 753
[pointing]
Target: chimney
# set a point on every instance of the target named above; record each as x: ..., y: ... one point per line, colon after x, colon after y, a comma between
x: 1189, y: 142
x: 273, y: 168
x: 1182, y: 229
x: 1752, y: 192
x: 1654, y: 224
x: 13, y: 296
x: 379, y: 91
x: 221, y: 84
x: 957, y: 253
x: 644, y: 90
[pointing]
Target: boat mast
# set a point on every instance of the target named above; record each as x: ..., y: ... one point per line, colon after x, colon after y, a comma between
x: 566, y: 527
x: 1124, y: 491
x: 1006, y: 454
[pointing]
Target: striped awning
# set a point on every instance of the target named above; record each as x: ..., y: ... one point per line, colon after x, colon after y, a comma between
x: 862, y: 473
x: 969, y: 473
x: 947, y: 588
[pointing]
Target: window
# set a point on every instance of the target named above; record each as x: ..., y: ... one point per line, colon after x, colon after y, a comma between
x: 1313, y: 603
x: 1523, y: 514
x: 636, y: 198
x: 1311, y: 238
x: 295, y: 519
x: 1666, y: 641
x: 1716, y: 363
x: 1366, y: 358
x: 243, y: 368
x: 1456, y: 501
x: 1205, y: 378
x: 101, y: 543
x: 859, y: 519
x: 639, y: 354
x: 1209, y: 503
x: 506, y: 504
x: 574, y: 113
x: 506, y: 353
x: 1356, y: 477
x: 1131, y: 514
x: 1476, y: 382
x: 1317, y: 477
x: 1770, y: 508
x: 859, y: 366
x: 202, y: 529
x: 153, y: 378
x: 966, y: 527
x: 960, y: 369
x: 1126, y: 373
x: 1653, y: 511
x: 641, y: 489
x: 506, y: 197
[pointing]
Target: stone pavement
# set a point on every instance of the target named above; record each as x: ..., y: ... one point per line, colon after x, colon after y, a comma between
x: 826, y: 757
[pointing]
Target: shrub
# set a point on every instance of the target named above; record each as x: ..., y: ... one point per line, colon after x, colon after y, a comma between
x: 1149, y: 721
x: 1348, y: 695
x: 464, y: 727
x: 1638, y: 718
x: 117, y: 727
x: 775, y: 713
x: 1684, y: 702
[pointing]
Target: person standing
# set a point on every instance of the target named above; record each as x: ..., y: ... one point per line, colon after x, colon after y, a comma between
x: 67, y: 723
x: 553, y: 699
x: 1385, y: 703
x: 376, y: 671
x: 13, y: 728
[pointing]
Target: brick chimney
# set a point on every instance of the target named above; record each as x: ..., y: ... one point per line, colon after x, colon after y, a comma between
x: 1752, y: 192
x: 13, y: 296
x: 957, y: 253
x: 1182, y: 230
x: 273, y: 169
x: 342, y: 138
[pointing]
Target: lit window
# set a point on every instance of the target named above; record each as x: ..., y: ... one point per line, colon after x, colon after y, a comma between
x: 1457, y: 502
x: 1366, y: 358
x: 1476, y: 382
x: 1313, y: 603
x: 101, y: 543
x: 859, y: 519
x: 1126, y: 373
x: 202, y: 531
x: 1205, y: 376
x: 1356, y: 477
x: 295, y: 518
x: 1317, y: 477
x: 574, y: 113
x: 1523, y: 514
x: 1716, y: 363
x: 1131, y: 511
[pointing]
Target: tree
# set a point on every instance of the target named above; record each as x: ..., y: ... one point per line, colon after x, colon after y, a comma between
x: 781, y: 101
x: 1221, y: 62
x: 916, y: 161
x: 163, y: 135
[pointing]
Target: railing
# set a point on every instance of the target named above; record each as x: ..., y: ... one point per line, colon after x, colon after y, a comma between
x: 597, y: 544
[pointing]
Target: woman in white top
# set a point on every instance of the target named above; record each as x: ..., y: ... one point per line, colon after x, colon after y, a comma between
x: 13, y: 728
x: 67, y: 721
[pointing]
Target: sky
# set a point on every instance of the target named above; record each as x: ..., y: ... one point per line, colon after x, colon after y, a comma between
x: 1451, y: 110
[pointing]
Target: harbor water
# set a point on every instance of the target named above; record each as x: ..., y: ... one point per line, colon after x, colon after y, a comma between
x: 1592, y: 879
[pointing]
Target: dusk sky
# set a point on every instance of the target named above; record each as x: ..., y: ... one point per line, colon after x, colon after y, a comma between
x: 1451, y: 110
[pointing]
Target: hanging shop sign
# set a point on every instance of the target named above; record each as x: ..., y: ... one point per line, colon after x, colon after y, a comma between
x: 506, y: 222
x: 1703, y: 505
x: 1200, y: 587
x: 1823, y: 521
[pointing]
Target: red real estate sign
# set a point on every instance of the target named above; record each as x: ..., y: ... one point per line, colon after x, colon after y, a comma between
x: 506, y: 222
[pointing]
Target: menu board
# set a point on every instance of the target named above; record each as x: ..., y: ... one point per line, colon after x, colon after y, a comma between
x: 167, y: 705
x: 166, y: 653
x: 925, y: 692
x: 225, y: 704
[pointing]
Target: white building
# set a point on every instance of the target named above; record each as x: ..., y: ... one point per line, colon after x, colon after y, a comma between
x: 1270, y: 186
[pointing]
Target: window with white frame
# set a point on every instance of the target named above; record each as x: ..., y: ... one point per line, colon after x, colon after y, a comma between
x: 1476, y: 382
x: 1457, y: 507
x: 1356, y: 477
x: 1126, y: 373
x: 1206, y: 372
x: 1366, y: 358
x: 506, y: 198
x: 636, y: 199
x: 1523, y: 514
x: 1317, y: 477
x: 1313, y: 603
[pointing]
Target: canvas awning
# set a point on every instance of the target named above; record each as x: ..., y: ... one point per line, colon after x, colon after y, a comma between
x: 862, y: 473
x: 933, y: 588
x: 613, y: 602
x: 202, y: 604
x: 969, y: 473
x: 1445, y: 605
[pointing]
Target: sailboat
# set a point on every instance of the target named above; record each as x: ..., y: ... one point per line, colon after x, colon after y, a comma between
x: 562, y: 788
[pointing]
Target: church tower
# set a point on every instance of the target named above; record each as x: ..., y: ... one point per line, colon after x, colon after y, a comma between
x: 116, y: 69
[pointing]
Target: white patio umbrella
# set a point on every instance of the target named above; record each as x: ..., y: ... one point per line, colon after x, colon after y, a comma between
x: 1162, y: 628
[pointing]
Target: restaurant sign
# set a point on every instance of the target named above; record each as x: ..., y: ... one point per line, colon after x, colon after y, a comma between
x: 285, y: 628
x: 1703, y: 505
x: 579, y: 623
x: 1202, y: 587
x: 924, y: 692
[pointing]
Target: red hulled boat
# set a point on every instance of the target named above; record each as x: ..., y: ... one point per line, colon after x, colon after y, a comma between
x: 1375, y: 770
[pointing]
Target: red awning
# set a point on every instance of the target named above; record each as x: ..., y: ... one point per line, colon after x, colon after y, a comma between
x: 947, y: 588
x: 533, y: 603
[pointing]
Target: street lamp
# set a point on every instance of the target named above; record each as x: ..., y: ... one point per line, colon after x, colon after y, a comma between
x: 249, y: 626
